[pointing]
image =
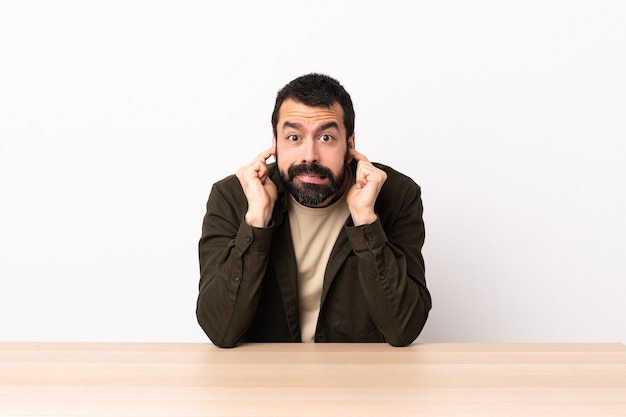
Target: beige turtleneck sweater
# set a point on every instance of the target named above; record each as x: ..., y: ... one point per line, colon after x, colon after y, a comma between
x: 313, y: 233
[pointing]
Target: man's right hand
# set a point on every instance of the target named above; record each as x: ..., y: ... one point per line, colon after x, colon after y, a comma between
x: 259, y: 189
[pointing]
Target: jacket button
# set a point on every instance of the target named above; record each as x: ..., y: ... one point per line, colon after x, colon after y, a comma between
x: 237, y: 278
x: 369, y: 237
x: 248, y: 239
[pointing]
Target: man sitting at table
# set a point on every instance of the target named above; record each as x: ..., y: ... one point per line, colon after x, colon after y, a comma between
x: 321, y: 245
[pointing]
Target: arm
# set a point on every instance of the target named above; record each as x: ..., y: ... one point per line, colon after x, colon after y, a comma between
x: 389, y: 259
x: 231, y: 247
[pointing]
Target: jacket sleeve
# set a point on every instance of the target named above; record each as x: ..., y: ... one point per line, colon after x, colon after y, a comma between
x: 390, y: 264
x: 233, y: 258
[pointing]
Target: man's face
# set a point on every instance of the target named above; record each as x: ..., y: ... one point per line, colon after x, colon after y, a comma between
x: 312, y: 152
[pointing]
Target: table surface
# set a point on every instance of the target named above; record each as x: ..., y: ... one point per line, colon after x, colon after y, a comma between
x: 197, y: 379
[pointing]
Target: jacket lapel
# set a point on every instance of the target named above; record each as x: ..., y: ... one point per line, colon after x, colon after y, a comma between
x: 340, y: 252
x: 284, y: 262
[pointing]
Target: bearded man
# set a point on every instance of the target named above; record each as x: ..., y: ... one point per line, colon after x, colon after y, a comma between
x: 321, y: 245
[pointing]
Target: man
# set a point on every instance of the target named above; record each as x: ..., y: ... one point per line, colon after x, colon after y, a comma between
x: 320, y: 246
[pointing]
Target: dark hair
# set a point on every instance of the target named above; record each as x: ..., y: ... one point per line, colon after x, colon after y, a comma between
x: 316, y: 90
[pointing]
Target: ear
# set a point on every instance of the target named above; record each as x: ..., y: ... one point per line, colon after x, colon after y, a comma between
x: 274, y: 143
x: 351, y: 147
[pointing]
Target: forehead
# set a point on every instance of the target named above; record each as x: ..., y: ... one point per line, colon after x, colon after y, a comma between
x: 296, y: 112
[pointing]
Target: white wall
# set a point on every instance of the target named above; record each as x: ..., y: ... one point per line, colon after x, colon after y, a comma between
x: 116, y: 117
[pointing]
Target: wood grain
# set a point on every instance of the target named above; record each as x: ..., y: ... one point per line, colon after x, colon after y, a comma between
x: 195, y: 379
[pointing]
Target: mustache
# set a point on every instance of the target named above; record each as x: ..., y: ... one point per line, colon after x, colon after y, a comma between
x: 309, y: 169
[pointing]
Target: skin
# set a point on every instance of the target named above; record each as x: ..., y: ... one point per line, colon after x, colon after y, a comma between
x: 307, y: 135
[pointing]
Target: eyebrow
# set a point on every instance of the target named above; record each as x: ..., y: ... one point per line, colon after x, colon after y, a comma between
x: 325, y: 126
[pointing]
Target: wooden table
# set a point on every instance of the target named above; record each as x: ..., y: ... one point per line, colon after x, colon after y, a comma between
x: 195, y: 379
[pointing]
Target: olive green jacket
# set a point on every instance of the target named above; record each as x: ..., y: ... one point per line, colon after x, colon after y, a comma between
x: 374, y: 285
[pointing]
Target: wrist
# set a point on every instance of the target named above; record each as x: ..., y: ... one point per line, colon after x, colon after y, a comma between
x: 258, y: 219
x: 363, y: 219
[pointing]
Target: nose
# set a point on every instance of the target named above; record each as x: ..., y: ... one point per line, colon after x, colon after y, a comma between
x: 310, y: 152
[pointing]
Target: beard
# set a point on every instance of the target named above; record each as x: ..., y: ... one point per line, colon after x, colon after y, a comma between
x: 312, y: 195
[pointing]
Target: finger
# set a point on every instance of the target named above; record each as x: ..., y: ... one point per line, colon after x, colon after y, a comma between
x: 359, y: 156
x: 266, y: 154
x: 261, y: 163
x: 361, y: 176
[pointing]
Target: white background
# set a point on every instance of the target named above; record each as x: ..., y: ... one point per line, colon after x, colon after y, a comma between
x: 117, y: 116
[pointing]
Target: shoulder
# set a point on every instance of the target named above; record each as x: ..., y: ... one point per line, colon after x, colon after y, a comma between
x: 228, y: 182
x: 228, y: 188
x: 397, y: 182
x: 399, y: 196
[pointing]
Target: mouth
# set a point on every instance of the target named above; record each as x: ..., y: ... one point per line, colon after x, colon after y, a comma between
x: 311, y: 175
x: 312, y: 178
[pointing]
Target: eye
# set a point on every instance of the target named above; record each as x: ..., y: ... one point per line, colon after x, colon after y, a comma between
x: 326, y: 138
x: 292, y: 138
